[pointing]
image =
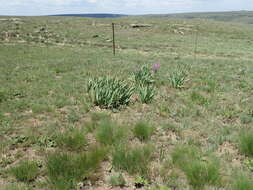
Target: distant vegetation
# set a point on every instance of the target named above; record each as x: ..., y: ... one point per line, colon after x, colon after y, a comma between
x: 245, y: 17
x: 234, y: 16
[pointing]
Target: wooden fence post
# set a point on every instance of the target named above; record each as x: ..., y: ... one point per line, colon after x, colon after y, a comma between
x: 113, y: 38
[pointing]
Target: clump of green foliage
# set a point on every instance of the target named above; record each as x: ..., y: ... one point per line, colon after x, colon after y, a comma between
x: 65, y: 169
x: 117, y: 180
x: 109, y: 92
x: 246, y: 143
x: 177, y: 78
x: 25, y: 171
x: 108, y: 133
x: 144, y: 82
x: 143, y: 131
x: 199, y: 172
x: 242, y: 182
x: 73, y: 138
x: 133, y: 160
x: 146, y: 93
x: 144, y: 76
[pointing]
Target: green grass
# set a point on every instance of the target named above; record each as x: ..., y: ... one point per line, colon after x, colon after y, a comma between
x: 133, y: 160
x: 242, y: 182
x: 109, y: 133
x: 199, y: 172
x: 117, y: 180
x: 65, y: 170
x: 25, y: 171
x: 72, y: 138
x: 246, y: 142
x: 184, y: 154
x: 143, y: 131
x: 45, y: 105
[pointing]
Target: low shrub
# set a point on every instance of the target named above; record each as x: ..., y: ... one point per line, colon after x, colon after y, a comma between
x: 108, y: 92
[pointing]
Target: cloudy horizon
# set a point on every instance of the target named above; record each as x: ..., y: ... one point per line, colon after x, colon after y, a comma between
x: 132, y: 7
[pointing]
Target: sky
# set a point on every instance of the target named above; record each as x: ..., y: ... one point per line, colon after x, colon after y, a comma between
x: 49, y: 7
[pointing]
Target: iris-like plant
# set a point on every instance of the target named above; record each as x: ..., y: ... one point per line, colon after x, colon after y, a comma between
x: 177, y: 78
x: 146, y: 93
x: 144, y: 76
x: 109, y: 92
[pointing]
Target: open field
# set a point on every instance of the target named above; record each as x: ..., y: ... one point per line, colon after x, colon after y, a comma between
x: 186, y: 124
x: 232, y: 16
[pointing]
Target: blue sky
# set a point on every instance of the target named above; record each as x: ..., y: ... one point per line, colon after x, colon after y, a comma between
x: 46, y: 7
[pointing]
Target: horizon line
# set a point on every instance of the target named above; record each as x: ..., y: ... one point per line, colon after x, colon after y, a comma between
x: 101, y: 13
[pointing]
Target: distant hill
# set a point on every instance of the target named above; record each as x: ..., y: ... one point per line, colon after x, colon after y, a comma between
x: 100, y: 15
x: 233, y: 16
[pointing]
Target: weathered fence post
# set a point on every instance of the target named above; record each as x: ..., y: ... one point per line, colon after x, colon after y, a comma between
x: 113, y: 38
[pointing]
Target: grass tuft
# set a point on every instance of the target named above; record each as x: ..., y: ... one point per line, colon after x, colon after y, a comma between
x: 199, y: 172
x: 246, y: 143
x: 117, y: 180
x: 184, y: 154
x: 143, y: 131
x: 73, y: 139
x: 242, y: 182
x: 65, y: 170
x: 25, y: 171
x: 133, y: 160
x: 108, y: 133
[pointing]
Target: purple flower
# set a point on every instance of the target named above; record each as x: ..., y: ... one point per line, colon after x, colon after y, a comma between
x: 156, y: 67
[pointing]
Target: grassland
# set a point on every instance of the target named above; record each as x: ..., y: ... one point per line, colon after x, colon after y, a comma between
x: 193, y: 134
x: 233, y: 16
